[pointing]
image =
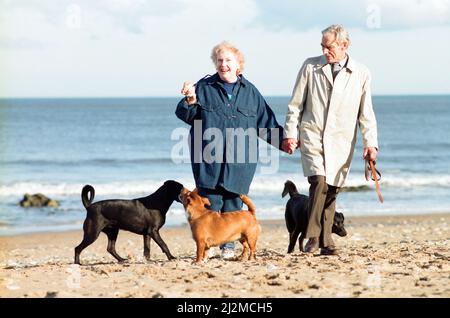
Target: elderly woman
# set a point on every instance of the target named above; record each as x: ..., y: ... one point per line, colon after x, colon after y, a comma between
x: 229, y: 106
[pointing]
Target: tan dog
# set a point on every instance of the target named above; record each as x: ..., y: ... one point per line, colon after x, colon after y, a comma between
x: 211, y: 228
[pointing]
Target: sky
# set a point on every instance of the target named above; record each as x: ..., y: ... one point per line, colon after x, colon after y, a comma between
x: 125, y: 48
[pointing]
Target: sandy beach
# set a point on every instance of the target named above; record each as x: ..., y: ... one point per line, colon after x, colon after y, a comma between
x: 389, y: 256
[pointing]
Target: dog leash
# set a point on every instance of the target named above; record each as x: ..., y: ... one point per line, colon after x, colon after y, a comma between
x: 376, y: 175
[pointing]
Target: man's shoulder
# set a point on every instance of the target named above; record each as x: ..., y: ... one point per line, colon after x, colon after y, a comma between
x: 314, y: 61
x: 355, y: 65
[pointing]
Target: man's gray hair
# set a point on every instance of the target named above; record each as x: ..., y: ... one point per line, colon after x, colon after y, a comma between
x: 340, y: 32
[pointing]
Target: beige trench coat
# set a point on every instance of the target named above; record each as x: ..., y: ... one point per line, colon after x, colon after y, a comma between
x: 324, y: 115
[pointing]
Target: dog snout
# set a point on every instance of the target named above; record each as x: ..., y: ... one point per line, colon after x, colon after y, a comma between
x: 183, y: 194
x: 342, y: 232
x: 339, y: 229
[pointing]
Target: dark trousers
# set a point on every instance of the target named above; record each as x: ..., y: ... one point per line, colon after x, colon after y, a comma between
x: 222, y: 200
x: 321, y: 208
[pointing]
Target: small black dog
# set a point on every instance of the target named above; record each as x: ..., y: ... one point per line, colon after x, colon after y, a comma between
x: 141, y: 216
x: 296, y: 216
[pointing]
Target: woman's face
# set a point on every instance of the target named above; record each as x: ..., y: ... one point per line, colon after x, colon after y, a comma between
x: 227, y: 66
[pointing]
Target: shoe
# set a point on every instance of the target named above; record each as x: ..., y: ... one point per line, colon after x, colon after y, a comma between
x: 211, y: 253
x: 227, y: 253
x: 330, y: 250
x: 312, y: 245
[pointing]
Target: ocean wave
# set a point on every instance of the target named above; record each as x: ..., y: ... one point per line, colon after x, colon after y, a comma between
x: 260, y: 185
x: 117, y: 189
x: 84, y: 162
x: 360, y: 188
x: 353, y: 183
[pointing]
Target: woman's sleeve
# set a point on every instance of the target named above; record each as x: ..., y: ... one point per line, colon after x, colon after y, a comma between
x: 186, y: 112
x: 268, y: 127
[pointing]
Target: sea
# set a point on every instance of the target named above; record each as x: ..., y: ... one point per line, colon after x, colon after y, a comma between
x: 127, y: 147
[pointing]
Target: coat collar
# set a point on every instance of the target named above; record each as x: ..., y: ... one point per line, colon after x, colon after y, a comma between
x: 326, y: 67
x: 213, y: 79
x: 350, y: 63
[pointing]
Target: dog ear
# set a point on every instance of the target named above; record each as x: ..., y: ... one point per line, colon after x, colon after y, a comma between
x: 206, y: 201
x: 195, y: 191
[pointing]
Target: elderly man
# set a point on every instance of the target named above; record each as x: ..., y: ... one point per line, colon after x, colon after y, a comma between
x: 330, y: 98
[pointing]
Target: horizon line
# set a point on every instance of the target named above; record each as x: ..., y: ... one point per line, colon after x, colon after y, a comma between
x: 173, y: 96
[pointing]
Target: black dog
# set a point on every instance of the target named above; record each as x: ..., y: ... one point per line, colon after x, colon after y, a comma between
x: 296, y: 216
x: 141, y: 216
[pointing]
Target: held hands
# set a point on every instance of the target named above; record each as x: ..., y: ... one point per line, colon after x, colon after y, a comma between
x: 289, y: 145
x: 188, y: 90
x: 370, y: 153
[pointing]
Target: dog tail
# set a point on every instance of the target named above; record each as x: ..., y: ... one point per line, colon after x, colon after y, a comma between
x: 248, y: 203
x: 289, y: 187
x: 87, y: 195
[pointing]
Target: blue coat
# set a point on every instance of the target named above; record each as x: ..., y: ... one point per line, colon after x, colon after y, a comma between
x: 247, y: 109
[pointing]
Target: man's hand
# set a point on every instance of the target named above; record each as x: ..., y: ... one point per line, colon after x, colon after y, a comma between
x: 370, y: 153
x: 188, y: 90
x: 289, y: 145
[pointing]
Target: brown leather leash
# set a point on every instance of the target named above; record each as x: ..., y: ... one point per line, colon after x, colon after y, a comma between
x: 376, y: 175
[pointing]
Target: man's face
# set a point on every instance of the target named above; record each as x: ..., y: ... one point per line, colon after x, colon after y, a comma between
x: 333, y: 51
x: 227, y: 66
